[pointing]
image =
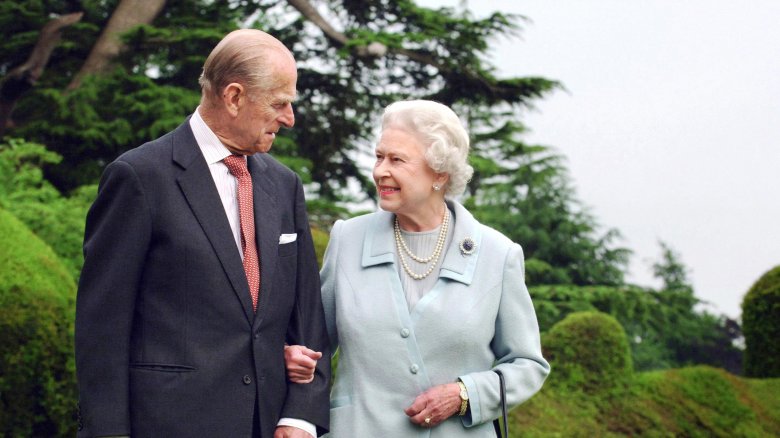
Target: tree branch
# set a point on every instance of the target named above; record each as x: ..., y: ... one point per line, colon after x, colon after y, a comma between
x: 310, y: 13
x: 128, y: 14
x: 378, y: 50
x: 22, y: 78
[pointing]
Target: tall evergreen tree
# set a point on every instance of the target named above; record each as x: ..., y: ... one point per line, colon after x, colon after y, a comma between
x: 354, y: 57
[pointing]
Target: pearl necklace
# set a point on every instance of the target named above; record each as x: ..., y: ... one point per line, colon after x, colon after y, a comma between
x: 433, y: 258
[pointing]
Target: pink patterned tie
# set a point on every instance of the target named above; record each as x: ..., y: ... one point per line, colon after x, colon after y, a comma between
x: 236, y: 164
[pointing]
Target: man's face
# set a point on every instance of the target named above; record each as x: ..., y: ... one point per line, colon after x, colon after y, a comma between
x: 261, y: 114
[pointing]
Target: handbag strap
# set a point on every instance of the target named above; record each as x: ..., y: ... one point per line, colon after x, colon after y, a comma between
x: 502, y: 390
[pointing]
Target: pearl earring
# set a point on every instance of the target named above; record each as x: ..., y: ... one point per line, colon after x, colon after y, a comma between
x: 436, y: 187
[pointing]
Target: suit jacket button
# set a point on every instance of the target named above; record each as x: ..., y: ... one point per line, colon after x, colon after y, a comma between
x: 247, y: 379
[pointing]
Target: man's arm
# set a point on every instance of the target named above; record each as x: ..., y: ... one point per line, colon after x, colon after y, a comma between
x: 115, y: 241
x: 308, y: 402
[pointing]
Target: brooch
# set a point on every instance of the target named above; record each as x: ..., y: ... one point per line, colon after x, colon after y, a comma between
x: 467, y: 246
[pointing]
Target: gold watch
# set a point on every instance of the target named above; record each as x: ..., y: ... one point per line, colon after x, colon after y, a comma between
x: 464, y: 398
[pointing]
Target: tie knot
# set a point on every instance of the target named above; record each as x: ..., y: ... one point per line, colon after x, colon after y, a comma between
x: 236, y: 164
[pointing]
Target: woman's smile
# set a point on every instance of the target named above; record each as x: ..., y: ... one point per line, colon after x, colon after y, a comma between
x: 388, y: 190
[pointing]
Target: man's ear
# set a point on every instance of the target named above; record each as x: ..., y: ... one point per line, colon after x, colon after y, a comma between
x: 232, y: 97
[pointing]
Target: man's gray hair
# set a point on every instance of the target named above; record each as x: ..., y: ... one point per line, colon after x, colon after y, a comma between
x: 242, y: 57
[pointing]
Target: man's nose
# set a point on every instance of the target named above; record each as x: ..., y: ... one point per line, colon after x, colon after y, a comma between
x: 287, y: 118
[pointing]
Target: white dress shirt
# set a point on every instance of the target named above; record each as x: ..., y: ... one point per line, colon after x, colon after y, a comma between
x: 214, y: 152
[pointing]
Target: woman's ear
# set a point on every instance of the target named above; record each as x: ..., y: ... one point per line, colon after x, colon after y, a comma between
x: 442, y: 179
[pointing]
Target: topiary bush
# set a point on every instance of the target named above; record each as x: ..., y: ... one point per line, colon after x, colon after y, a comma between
x: 588, y: 350
x: 761, y: 326
x: 24, y: 192
x: 37, y: 369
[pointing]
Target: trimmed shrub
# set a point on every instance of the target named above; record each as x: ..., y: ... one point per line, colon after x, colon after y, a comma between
x: 588, y: 350
x: 37, y: 370
x: 24, y: 192
x: 663, y: 327
x: 761, y: 326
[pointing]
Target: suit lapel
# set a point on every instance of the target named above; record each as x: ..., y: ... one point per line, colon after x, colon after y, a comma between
x: 267, y: 228
x: 199, y: 189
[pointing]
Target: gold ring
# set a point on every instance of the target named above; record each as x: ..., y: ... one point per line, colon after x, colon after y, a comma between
x: 427, y: 420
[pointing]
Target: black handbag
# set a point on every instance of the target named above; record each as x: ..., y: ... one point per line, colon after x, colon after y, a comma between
x: 496, y: 424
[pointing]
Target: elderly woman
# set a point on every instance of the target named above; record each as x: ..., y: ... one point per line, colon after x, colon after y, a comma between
x: 423, y: 300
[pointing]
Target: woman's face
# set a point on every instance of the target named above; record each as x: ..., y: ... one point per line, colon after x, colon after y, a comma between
x: 402, y: 176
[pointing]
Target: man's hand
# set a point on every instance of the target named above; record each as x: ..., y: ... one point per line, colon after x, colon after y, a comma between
x: 300, y: 362
x: 291, y: 432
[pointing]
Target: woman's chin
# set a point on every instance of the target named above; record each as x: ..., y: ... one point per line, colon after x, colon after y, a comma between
x: 388, y: 205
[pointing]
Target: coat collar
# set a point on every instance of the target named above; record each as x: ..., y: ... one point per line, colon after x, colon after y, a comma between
x: 379, y: 244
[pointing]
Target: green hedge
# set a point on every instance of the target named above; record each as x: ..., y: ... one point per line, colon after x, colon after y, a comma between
x: 24, y: 192
x: 696, y: 401
x: 588, y: 350
x: 663, y: 327
x: 761, y: 326
x: 37, y: 295
x: 320, y: 239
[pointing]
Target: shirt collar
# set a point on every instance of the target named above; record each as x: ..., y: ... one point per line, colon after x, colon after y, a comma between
x: 213, y: 150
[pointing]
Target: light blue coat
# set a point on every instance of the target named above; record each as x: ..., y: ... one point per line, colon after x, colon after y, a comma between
x: 478, y: 316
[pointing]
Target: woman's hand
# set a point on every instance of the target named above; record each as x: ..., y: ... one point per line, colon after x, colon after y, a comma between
x: 435, y: 405
x: 300, y: 362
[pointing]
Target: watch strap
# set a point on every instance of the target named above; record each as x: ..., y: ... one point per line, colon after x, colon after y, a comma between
x: 464, y: 401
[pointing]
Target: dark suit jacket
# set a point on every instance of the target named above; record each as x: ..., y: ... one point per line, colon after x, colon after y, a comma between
x: 167, y: 343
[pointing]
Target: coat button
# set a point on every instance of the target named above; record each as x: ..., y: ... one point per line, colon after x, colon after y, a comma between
x: 405, y: 333
x: 414, y: 368
x: 247, y: 379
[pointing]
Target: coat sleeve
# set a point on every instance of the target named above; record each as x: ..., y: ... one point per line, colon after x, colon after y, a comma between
x: 328, y: 276
x: 308, y: 402
x: 116, y: 240
x: 516, y: 346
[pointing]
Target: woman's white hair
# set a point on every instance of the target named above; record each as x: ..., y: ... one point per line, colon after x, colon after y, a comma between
x: 440, y: 130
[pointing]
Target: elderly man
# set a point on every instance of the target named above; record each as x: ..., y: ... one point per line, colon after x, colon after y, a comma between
x: 199, y: 267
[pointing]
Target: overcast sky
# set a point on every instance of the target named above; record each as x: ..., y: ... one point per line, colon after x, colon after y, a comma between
x: 670, y: 123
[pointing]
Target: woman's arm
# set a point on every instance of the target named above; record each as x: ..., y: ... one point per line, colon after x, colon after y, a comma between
x: 516, y: 346
x: 300, y: 362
